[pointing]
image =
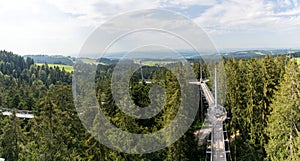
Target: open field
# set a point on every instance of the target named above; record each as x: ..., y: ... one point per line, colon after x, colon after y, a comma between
x: 298, y: 60
x: 67, y: 68
x: 154, y: 63
x: 90, y: 61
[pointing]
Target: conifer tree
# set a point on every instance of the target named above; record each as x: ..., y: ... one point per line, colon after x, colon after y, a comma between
x: 284, y: 121
x: 11, y: 138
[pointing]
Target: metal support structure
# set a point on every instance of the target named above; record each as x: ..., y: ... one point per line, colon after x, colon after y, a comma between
x: 200, y: 72
x: 141, y: 70
x: 216, y: 91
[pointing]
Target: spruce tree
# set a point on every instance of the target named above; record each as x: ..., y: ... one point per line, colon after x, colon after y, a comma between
x: 284, y: 121
x: 12, y: 138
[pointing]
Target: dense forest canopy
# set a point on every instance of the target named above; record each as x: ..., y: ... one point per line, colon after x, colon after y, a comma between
x: 262, y: 100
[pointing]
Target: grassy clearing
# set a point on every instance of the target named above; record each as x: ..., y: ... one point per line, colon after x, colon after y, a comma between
x: 154, y: 63
x: 298, y: 60
x: 67, y: 68
x: 89, y: 61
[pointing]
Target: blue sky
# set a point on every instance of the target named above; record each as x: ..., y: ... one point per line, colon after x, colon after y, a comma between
x: 62, y: 26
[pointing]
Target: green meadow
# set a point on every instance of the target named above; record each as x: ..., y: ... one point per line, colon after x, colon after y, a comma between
x: 298, y: 60
x: 67, y: 68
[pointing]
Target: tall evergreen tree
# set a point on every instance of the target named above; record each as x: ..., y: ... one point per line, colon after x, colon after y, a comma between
x: 284, y: 121
x: 56, y: 130
x: 12, y: 138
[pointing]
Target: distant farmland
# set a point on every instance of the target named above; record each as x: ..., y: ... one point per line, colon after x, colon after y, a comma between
x: 68, y: 68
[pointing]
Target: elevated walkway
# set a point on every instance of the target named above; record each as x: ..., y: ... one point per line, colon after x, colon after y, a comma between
x: 19, y: 113
x: 213, y: 125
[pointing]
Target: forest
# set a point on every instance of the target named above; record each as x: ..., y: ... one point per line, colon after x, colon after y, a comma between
x: 262, y: 100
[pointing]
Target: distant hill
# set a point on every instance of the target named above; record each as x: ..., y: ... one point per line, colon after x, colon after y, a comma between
x: 57, y: 59
x: 296, y: 55
x: 256, y: 53
x: 113, y: 58
x: 107, y: 61
x: 237, y: 53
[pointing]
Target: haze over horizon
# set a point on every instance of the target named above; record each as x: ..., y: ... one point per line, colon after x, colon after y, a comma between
x: 60, y: 27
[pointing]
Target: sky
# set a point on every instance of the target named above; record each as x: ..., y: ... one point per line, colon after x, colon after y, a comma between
x: 61, y: 27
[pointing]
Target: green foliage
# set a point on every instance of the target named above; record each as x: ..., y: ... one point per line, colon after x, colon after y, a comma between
x: 55, y: 59
x: 67, y: 68
x: 56, y: 133
x: 250, y: 88
x: 264, y: 115
x: 56, y: 128
x: 297, y: 60
x: 11, y: 138
x: 284, y: 121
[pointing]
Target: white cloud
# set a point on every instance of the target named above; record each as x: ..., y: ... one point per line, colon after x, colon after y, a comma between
x: 34, y: 26
x: 95, y: 12
x: 186, y: 3
x: 61, y: 26
x: 253, y: 16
